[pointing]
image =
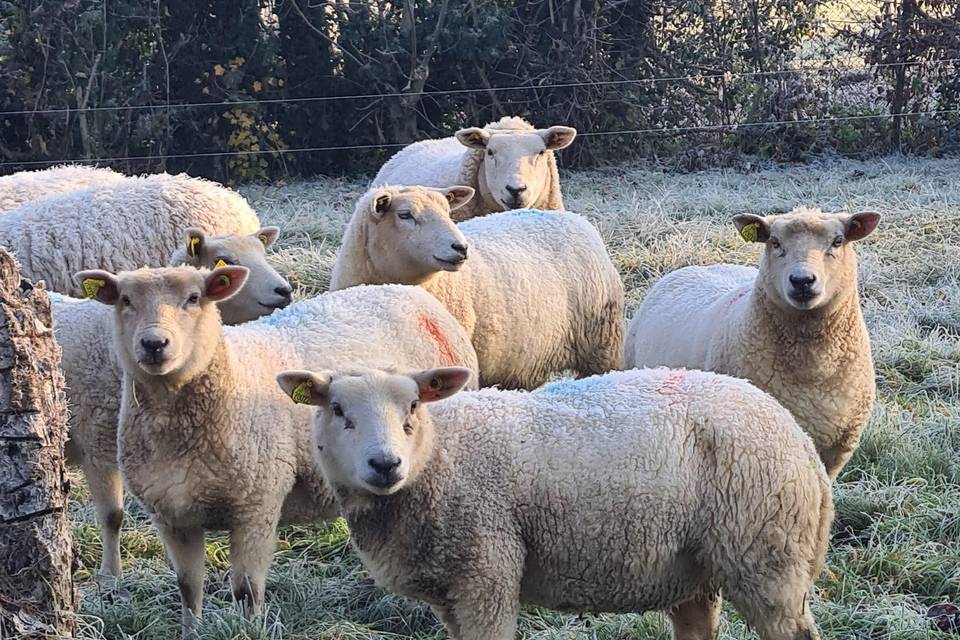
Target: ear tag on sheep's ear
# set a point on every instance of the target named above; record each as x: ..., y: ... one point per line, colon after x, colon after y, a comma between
x: 220, y: 263
x: 224, y: 281
x: 192, y: 246
x: 381, y: 202
x: 451, y: 196
x: 301, y: 393
x: 91, y: 287
x: 749, y: 232
x: 436, y: 384
x: 263, y: 238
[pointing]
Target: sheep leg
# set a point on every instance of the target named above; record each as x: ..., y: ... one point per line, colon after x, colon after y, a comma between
x: 491, y: 620
x: 780, y: 611
x: 696, y: 619
x: 251, y: 552
x: 445, y: 615
x: 835, y: 458
x: 106, y: 487
x: 187, y: 553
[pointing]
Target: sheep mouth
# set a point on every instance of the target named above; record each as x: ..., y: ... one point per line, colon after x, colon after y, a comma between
x: 384, y: 485
x: 804, y: 299
x: 277, y: 305
x: 451, y: 265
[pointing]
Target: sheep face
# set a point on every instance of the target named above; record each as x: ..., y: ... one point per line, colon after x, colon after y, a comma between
x: 516, y: 164
x: 166, y: 321
x: 371, y: 431
x: 808, y: 260
x: 411, y: 235
x: 265, y: 289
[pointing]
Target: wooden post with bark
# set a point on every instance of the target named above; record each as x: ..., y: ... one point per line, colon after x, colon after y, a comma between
x: 37, y: 597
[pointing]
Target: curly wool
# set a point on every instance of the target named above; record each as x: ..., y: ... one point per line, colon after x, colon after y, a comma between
x: 445, y: 162
x: 633, y: 491
x: 25, y: 186
x: 819, y: 366
x: 118, y: 226
x: 537, y: 295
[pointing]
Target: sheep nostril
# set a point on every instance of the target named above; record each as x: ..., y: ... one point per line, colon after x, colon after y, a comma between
x: 283, y: 291
x: 384, y: 464
x: 516, y: 191
x: 154, y: 346
x: 460, y: 248
x: 803, y: 282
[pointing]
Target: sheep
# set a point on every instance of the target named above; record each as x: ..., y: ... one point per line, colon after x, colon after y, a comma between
x: 794, y: 327
x: 628, y: 492
x: 510, y: 165
x: 123, y: 225
x: 537, y: 295
x: 206, y: 439
x: 25, y: 186
x: 93, y: 375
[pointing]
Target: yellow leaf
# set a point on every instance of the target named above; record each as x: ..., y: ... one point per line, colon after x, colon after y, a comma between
x: 257, y: 86
x: 218, y: 70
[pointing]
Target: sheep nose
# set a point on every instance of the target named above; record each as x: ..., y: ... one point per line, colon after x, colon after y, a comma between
x: 516, y: 191
x: 384, y: 465
x: 154, y: 345
x: 460, y: 248
x: 803, y: 282
x: 283, y: 292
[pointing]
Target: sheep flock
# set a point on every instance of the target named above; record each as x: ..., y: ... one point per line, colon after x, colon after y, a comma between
x: 508, y: 419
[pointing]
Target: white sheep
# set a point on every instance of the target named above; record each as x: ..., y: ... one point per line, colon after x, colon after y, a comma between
x: 93, y: 375
x: 118, y: 226
x: 25, y: 186
x: 508, y: 163
x: 538, y: 293
x: 793, y: 327
x: 207, y: 440
x: 628, y: 492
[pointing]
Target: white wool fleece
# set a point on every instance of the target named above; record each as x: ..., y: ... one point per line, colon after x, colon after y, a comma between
x: 118, y: 226
x: 25, y: 186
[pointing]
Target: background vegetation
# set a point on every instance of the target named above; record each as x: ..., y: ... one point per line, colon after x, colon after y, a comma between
x: 137, y: 81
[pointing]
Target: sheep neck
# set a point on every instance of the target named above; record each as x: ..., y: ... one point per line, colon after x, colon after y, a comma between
x: 788, y: 328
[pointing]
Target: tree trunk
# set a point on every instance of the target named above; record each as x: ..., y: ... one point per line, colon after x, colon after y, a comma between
x: 37, y: 598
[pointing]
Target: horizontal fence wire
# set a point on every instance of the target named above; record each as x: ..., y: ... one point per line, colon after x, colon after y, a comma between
x: 479, y: 90
x: 394, y: 145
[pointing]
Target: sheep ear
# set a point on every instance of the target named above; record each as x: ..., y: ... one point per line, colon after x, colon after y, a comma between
x: 752, y: 228
x: 305, y: 387
x: 458, y: 196
x: 381, y: 204
x: 556, y: 138
x: 860, y: 225
x: 224, y: 282
x: 437, y: 384
x: 99, y: 285
x: 268, y: 235
x: 196, y: 239
x: 474, y: 137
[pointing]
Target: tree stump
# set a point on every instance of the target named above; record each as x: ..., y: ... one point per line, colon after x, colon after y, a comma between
x: 37, y: 597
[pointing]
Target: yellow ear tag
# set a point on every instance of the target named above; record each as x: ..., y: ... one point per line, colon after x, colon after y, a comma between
x: 382, y: 201
x: 749, y: 232
x: 219, y: 263
x: 301, y: 393
x: 91, y: 287
x: 192, y: 246
x: 450, y: 196
x: 263, y: 238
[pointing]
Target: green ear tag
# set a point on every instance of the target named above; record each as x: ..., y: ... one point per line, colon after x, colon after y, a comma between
x: 436, y: 383
x: 91, y: 287
x: 749, y: 232
x: 301, y: 393
x: 192, y: 246
x: 224, y: 281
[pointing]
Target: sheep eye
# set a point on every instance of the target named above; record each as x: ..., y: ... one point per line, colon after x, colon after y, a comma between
x: 407, y: 428
x: 414, y: 405
x: 405, y: 215
x: 125, y: 300
x: 348, y: 424
x: 194, y: 298
x: 490, y: 153
x: 337, y: 410
x: 838, y: 241
x: 774, y: 243
x: 542, y: 152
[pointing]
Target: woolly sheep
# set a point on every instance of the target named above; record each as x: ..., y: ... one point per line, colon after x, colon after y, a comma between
x: 633, y: 491
x: 510, y: 164
x: 207, y: 440
x: 118, y: 226
x: 793, y: 327
x: 93, y: 375
x: 538, y: 293
x: 25, y: 186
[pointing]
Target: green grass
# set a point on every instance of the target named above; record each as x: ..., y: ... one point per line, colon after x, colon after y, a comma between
x: 896, y: 545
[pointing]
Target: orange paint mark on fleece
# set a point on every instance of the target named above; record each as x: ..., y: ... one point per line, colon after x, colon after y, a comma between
x: 672, y: 383
x: 430, y: 326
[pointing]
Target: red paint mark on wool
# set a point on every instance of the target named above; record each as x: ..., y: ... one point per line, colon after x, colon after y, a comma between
x: 443, y: 346
x: 672, y: 383
x: 739, y: 295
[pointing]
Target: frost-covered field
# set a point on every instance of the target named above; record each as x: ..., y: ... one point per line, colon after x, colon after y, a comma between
x: 896, y: 544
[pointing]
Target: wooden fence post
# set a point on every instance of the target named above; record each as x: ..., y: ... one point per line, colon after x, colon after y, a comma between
x: 37, y: 596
